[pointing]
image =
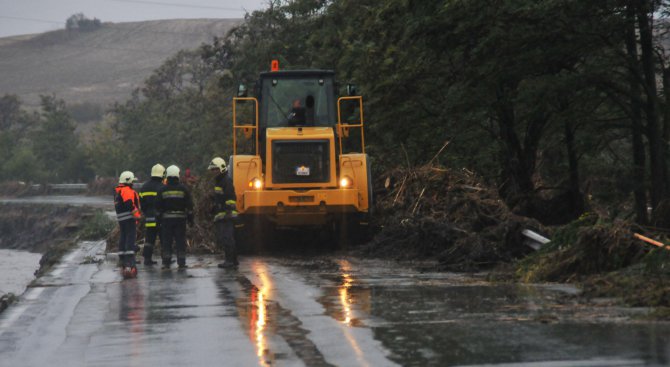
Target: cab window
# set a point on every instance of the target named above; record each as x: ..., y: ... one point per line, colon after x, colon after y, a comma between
x: 297, y: 102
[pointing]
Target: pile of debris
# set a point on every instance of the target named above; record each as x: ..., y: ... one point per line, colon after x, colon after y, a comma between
x: 451, y: 215
x: 201, y: 234
x: 584, y: 248
x: 607, y: 260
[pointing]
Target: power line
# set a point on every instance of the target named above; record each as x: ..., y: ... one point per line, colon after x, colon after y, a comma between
x: 179, y: 5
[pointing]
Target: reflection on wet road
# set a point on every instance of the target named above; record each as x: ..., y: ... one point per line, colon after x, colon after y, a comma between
x: 323, y: 311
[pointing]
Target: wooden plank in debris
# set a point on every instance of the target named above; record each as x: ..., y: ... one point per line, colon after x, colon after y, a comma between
x: 650, y: 241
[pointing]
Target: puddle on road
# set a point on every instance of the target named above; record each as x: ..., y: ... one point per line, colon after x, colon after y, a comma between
x: 346, y: 302
x: 475, y: 325
x: 453, y: 320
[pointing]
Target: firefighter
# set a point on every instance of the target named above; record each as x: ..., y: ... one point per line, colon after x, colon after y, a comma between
x: 148, y: 193
x: 127, y: 205
x: 224, y: 211
x: 175, y: 208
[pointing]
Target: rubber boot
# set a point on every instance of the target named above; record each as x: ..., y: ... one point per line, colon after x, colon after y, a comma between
x: 181, y: 261
x: 148, y: 253
x: 229, y: 263
x: 231, y: 257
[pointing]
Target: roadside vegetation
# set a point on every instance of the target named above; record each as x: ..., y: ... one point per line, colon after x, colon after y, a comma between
x: 96, y: 226
x: 484, y: 118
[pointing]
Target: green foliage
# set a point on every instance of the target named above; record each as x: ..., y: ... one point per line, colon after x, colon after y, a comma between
x: 40, y: 146
x: 180, y: 117
x: 106, y: 151
x: 584, y: 248
x: 10, y: 111
x: 97, y: 226
x: 657, y: 263
x: 23, y: 165
x: 57, y: 146
x: 85, y: 112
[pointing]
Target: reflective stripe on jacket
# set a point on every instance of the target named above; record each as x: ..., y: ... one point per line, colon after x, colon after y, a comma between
x: 174, y: 201
x: 225, y: 206
x: 148, y: 193
x: 126, y: 203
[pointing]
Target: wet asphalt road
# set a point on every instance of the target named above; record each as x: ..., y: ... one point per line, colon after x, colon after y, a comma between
x: 311, y: 311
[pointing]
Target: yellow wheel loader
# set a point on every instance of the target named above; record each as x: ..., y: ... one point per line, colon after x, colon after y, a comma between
x: 299, y: 158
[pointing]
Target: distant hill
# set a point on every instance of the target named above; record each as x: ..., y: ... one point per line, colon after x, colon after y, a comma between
x: 100, y: 66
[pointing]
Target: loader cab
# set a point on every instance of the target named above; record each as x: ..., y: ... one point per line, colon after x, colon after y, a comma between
x: 296, y: 98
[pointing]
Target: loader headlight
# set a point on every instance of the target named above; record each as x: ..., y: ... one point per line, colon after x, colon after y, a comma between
x: 256, y: 184
x: 346, y: 182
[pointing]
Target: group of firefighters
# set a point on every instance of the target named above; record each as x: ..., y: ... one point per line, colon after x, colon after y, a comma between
x: 167, y: 207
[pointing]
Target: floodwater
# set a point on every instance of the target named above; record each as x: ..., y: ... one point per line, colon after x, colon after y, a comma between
x: 17, y: 269
x: 313, y: 311
x: 76, y: 200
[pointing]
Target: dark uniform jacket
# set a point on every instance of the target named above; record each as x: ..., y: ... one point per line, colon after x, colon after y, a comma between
x: 148, y: 193
x: 225, y: 204
x: 126, y: 203
x: 173, y: 201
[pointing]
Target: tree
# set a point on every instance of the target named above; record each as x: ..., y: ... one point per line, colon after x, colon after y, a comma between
x: 80, y: 22
x: 546, y: 98
x: 56, y: 144
x: 23, y: 165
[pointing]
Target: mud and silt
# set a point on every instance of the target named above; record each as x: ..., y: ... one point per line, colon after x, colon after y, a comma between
x: 35, y: 227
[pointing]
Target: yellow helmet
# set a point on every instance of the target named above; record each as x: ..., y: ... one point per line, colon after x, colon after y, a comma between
x: 219, y: 163
x: 172, y: 171
x: 127, y: 177
x: 157, y: 170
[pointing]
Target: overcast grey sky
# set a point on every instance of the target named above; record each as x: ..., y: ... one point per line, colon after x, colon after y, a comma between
x: 36, y: 16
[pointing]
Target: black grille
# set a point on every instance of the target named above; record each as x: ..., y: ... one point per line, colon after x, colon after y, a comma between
x: 304, y: 161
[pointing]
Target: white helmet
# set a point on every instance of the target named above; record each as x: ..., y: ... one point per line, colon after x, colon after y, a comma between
x: 172, y: 171
x: 219, y: 163
x: 127, y: 177
x: 157, y: 170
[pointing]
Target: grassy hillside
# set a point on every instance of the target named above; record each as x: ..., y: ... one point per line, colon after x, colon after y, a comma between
x: 99, y: 66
